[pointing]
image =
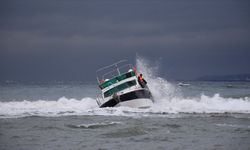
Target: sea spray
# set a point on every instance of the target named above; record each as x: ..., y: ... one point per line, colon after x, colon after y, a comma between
x: 161, y: 89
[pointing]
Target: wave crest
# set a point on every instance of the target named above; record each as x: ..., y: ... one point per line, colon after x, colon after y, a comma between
x: 168, y: 100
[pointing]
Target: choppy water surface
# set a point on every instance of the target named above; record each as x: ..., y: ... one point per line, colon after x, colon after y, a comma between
x: 102, y: 132
x: 190, y: 115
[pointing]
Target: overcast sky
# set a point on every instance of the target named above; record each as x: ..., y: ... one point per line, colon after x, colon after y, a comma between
x: 50, y: 40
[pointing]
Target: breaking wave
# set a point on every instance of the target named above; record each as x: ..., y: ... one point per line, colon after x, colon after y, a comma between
x: 61, y: 107
x: 168, y: 100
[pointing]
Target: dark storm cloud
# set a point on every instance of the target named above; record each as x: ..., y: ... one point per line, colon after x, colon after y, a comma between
x: 62, y: 39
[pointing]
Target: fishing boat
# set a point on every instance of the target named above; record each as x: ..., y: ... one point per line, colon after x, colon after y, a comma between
x: 120, y: 86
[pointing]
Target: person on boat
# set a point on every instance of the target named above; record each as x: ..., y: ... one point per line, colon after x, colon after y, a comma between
x: 142, y: 81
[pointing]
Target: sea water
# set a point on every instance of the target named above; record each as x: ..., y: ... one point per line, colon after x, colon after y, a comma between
x: 186, y: 115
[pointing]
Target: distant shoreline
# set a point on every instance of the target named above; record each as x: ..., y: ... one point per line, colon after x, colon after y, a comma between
x: 226, y: 78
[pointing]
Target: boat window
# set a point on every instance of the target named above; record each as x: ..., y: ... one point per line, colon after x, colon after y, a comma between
x: 119, y: 88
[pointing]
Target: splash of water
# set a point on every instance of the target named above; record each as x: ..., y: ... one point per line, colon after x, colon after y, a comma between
x: 161, y: 89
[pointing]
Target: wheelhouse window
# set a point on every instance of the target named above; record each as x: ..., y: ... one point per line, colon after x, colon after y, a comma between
x: 119, y: 88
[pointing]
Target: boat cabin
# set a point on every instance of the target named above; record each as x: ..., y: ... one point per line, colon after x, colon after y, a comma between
x: 118, y: 83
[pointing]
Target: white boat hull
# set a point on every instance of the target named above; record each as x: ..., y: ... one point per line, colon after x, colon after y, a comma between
x: 136, y: 103
x: 138, y: 99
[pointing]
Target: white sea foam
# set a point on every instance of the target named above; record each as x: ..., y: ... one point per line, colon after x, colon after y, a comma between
x: 63, y: 106
x: 168, y: 100
x: 88, y: 106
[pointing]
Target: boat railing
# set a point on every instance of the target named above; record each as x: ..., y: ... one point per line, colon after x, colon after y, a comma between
x: 111, y: 71
x: 118, y: 71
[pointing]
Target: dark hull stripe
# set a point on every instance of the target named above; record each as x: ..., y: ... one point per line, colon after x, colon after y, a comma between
x: 128, y: 96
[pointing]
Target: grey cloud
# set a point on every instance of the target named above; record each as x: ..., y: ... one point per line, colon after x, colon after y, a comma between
x: 188, y: 35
